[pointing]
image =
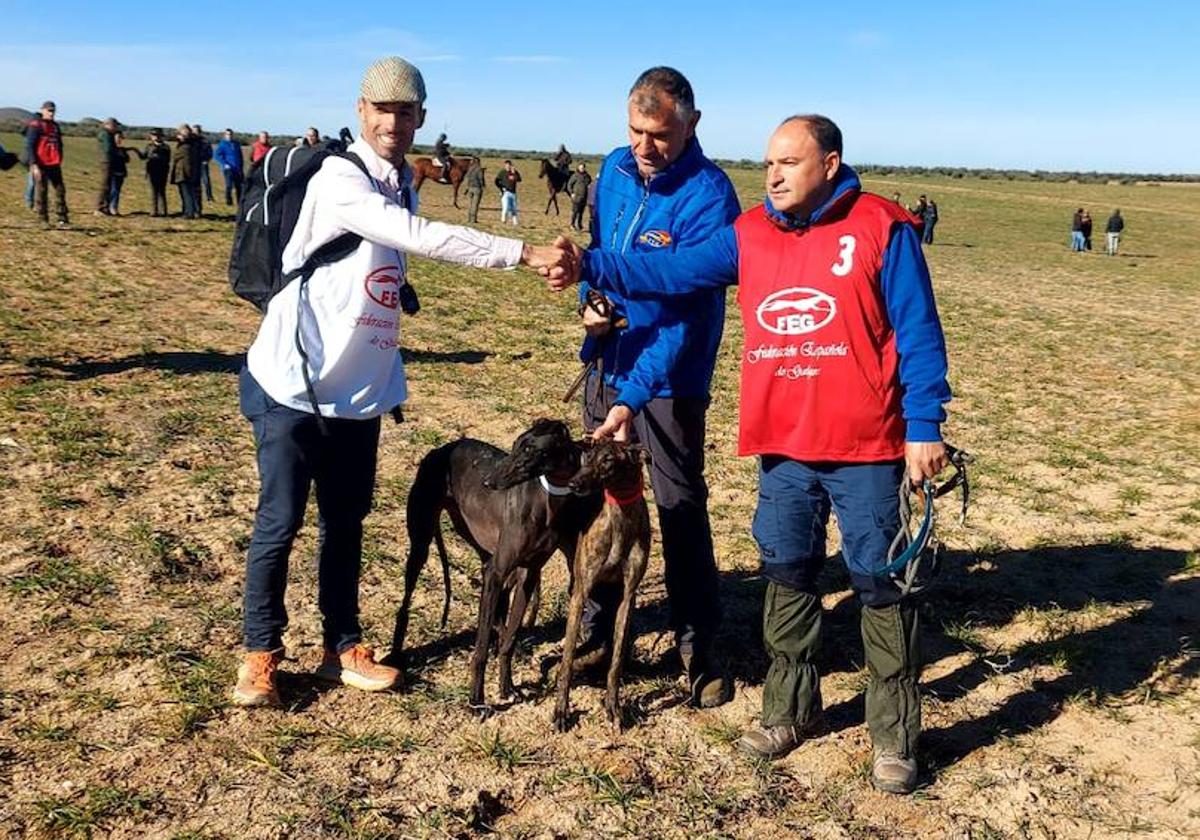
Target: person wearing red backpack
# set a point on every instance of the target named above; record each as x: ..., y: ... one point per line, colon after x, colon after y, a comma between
x: 44, y: 156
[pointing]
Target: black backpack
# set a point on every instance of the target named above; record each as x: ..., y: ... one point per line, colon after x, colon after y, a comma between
x: 267, y: 217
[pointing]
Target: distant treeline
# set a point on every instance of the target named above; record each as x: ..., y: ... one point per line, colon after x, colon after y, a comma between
x: 87, y: 128
x: 882, y: 170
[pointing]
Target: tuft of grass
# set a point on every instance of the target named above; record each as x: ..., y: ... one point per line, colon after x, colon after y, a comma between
x: 171, y: 559
x: 198, y: 685
x: 178, y: 424
x: 83, y: 815
x: 608, y: 789
x: 504, y: 753
x: 62, y: 577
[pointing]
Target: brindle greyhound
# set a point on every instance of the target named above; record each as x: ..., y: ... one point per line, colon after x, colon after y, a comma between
x: 614, y: 548
x: 515, y: 510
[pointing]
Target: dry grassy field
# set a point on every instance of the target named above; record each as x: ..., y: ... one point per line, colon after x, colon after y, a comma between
x: 1061, y: 696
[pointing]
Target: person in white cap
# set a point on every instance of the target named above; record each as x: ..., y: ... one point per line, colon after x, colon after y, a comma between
x: 349, y: 320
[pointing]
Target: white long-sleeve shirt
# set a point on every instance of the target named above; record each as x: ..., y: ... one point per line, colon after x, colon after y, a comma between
x: 350, y: 317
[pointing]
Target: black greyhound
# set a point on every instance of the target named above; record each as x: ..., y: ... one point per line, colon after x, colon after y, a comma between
x: 615, y: 548
x: 515, y: 510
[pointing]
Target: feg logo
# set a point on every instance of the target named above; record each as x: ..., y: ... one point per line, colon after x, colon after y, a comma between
x: 655, y: 238
x: 796, y: 311
x: 383, y: 286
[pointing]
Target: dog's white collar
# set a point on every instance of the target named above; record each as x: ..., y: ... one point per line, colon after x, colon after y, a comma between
x: 553, y: 489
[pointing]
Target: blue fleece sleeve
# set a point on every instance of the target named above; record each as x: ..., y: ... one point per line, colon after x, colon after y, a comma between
x: 654, y: 364
x: 908, y: 295
x: 711, y: 264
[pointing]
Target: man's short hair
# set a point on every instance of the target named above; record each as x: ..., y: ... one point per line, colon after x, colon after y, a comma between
x: 822, y: 129
x: 666, y: 80
x: 507, y: 162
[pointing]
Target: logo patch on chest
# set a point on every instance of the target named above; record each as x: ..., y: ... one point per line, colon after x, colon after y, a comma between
x: 383, y: 286
x: 655, y: 238
x: 796, y: 311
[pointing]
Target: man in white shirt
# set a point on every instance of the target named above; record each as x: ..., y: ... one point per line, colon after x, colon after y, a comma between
x: 348, y: 319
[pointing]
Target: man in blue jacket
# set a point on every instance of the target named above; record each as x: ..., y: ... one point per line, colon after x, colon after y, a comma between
x: 229, y: 158
x: 660, y: 193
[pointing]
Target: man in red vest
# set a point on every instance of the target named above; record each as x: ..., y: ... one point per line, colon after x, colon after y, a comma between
x: 43, y: 156
x: 843, y: 383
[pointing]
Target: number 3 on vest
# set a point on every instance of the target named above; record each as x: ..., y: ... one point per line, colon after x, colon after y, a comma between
x: 845, y: 257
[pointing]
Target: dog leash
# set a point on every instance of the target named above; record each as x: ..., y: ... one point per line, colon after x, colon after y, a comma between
x: 603, y: 307
x: 908, y: 553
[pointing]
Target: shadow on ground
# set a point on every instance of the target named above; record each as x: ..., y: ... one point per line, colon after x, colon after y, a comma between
x: 987, y: 592
x: 179, y: 362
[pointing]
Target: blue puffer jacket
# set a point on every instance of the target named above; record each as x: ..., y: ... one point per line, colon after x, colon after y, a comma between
x: 670, y: 346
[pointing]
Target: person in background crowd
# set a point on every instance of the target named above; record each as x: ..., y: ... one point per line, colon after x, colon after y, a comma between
x: 119, y: 169
x: 108, y: 161
x: 507, y: 180
x: 1077, y: 230
x: 1085, y: 227
x: 577, y: 188
x: 185, y: 175
x: 562, y: 159
x: 228, y: 155
x: 205, y: 149
x: 157, y: 155
x: 1113, y: 229
x: 44, y: 157
x: 261, y: 146
x: 441, y: 156
x: 474, y: 182
x: 29, y: 182
x: 930, y: 218
x: 312, y: 137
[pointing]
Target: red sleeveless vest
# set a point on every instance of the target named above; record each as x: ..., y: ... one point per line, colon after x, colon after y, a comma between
x: 819, y: 365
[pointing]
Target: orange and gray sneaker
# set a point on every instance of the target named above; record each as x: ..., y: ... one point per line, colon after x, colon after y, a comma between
x: 356, y: 666
x: 256, y: 679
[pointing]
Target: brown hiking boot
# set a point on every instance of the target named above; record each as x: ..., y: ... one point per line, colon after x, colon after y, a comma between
x: 356, y: 667
x: 771, y: 742
x: 256, y: 679
x: 893, y: 773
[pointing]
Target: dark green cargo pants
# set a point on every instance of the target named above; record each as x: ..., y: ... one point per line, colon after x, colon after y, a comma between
x: 891, y: 640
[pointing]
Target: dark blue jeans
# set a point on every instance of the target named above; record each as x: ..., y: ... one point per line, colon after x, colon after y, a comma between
x: 233, y: 184
x: 794, y: 501
x: 292, y: 455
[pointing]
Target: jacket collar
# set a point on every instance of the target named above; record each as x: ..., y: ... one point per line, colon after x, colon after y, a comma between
x: 845, y: 184
x: 381, y: 170
x: 684, y: 167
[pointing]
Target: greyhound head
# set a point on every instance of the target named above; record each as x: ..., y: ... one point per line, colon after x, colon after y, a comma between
x: 611, y: 465
x: 545, y: 448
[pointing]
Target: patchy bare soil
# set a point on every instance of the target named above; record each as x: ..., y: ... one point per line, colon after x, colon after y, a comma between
x: 1061, y: 696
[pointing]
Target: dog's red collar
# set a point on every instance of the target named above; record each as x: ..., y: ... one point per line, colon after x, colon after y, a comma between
x: 626, y: 499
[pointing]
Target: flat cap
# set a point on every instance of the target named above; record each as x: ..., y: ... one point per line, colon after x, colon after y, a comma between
x: 48, y: 104
x: 393, y: 79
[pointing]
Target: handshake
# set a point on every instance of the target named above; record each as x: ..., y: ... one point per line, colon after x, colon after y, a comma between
x: 559, y: 262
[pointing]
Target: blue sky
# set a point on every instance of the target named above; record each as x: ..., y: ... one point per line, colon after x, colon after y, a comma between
x: 1051, y: 85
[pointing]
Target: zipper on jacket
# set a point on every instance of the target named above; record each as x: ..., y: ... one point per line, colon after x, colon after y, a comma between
x: 636, y: 216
